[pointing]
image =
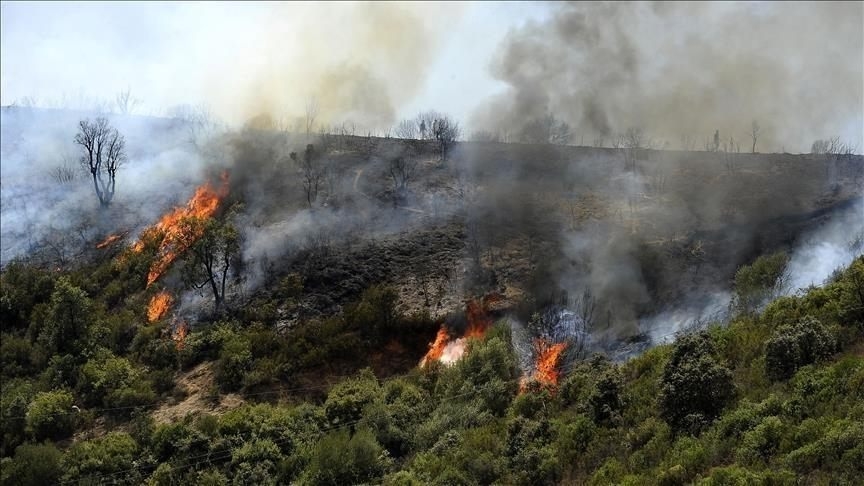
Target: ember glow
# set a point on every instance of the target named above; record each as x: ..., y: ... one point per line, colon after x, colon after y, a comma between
x: 447, y: 350
x: 175, y: 237
x: 159, y: 306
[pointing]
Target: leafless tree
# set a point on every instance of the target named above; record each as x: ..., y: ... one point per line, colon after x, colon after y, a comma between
x: 402, y: 170
x: 633, y: 142
x: 198, y: 122
x: 104, y: 152
x: 125, y: 102
x: 406, y: 129
x: 66, y: 172
x: 312, y: 174
x: 754, y: 133
x: 688, y: 143
x: 311, y: 113
x: 445, y: 132
x: 546, y: 129
x: 599, y: 141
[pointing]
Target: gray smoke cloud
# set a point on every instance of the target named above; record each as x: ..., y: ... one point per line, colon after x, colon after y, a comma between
x: 686, y: 69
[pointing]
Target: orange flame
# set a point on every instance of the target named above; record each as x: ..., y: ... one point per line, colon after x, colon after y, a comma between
x: 546, y: 371
x: 436, y: 348
x: 176, y: 238
x: 448, y: 350
x: 110, y: 240
x: 159, y: 305
x: 179, y: 334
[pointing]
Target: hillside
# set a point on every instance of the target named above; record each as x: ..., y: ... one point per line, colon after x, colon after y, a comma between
x: 381, y: 311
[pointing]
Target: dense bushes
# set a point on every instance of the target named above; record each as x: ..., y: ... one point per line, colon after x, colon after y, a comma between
x: 702, y: 411
x: 695, y: 387
x: 795, y: 345
x: 50, y: 415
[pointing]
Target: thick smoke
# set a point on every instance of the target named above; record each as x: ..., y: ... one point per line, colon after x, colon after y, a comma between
x: 353, y: 67
x: 686, y: 69
x: 827, y: 249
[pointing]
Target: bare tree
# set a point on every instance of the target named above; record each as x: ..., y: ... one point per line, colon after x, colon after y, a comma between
x: 546, y: 129
x: 633, y: 141
x: 311, y: 114
x: 688, y: 143
x: 125, y: 102
x: 406, y: 129
x: 754, y: 133
x: 402, y: 170
x: 445, y: 132
x: 104, y: 152
x: 312, y: 175
x: 66, y: 172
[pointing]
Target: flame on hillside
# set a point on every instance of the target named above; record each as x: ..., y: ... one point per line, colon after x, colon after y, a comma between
x: 159, y: 306
x: 447, y: 350
x: 110, y: 240
x: 546, y: 372
x: 178, y: 334
x: 175, y: 237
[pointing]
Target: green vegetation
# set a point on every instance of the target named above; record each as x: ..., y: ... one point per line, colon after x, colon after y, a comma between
x: 773, y: 398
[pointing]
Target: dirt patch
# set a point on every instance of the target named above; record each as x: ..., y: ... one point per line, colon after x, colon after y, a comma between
x: 197, y: 384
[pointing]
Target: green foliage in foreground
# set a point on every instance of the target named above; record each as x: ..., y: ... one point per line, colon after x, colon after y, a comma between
x: 774, y: 398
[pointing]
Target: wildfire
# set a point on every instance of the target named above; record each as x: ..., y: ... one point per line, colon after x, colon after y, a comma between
x: 110, y: 240
x: 159, y: 305
x: 447, y: 350
x: 175, y: 237
x: 179, y: 333
x: 546, y: 371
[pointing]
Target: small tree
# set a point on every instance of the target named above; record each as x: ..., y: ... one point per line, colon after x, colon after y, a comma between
x: 125, y: 102
x: 793, y: 346
x: 446, y: 132
x: 407, y: 129
x: 754, y: 133
x: 695, y: 387
x: 312, y: 174
x: 402, y: 170
x: 104, y: 152
x: 212, y: 256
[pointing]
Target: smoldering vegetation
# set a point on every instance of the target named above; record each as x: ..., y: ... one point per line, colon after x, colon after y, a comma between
x: 679, y: 71
x: 609, y: 246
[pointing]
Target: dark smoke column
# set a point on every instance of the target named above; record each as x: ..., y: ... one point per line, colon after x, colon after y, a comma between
x: 104, y: 151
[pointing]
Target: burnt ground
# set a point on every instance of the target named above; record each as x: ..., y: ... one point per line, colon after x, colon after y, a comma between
x: 640, y: 229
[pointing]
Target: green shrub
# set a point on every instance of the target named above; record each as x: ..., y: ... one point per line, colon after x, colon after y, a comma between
x: 235, y: 360
x: 346, y: 400
x: 695, y: 387
x: 50, y: 415
x: 795, y: 345
x: 15, y: 397
x: 33, y: 464
x: 756, y: 282
x: 115, y: 453
x: 340, y: 458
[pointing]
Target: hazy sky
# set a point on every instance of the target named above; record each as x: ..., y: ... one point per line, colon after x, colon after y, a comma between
x: 217, y: 53
x: 674, y: 68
